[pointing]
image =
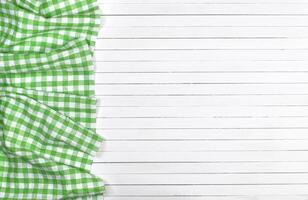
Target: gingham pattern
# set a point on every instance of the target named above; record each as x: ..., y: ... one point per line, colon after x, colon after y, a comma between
x: 47, y: 103
x: 75, y: 55
x: 73, y: 82
x: 50, y: 24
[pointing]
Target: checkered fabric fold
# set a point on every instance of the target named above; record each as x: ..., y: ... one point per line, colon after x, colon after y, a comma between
x: 47, y: 103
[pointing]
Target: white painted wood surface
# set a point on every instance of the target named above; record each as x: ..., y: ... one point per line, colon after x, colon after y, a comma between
x: 203, y: 99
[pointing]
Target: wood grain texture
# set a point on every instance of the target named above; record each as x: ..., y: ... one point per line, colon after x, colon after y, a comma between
x: 203, y: 99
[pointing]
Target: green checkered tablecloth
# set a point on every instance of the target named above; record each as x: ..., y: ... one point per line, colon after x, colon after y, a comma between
x: 47, y: 102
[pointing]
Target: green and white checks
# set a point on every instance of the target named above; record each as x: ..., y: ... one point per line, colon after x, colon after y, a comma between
x: 47, y: 102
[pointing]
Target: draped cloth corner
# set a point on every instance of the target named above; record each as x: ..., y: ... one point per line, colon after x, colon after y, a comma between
x: 47, y: 103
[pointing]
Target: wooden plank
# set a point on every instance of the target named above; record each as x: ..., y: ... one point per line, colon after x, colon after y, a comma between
x: 198, y: 157
x: 207, y: 112
x: 200, y: 55
x: 212, y: 21
x: 207, y: 9
x: 178, y: 197
x: 232, y: 78
x: 202, y: 32
x: 203, y: 89
x: 199, y: 168
x: 197, y: 197
x: 208, y: 123
x: 202, y: 1
x: 203, y: 146
x: 211, y: 179
x: 206, y: 190
x: 201, y: 134
x: 203, y: 101
x: 200, y: 66
x: 105, y: 44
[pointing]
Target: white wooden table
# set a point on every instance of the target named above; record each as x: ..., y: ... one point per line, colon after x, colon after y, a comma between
x: 203, y: 99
